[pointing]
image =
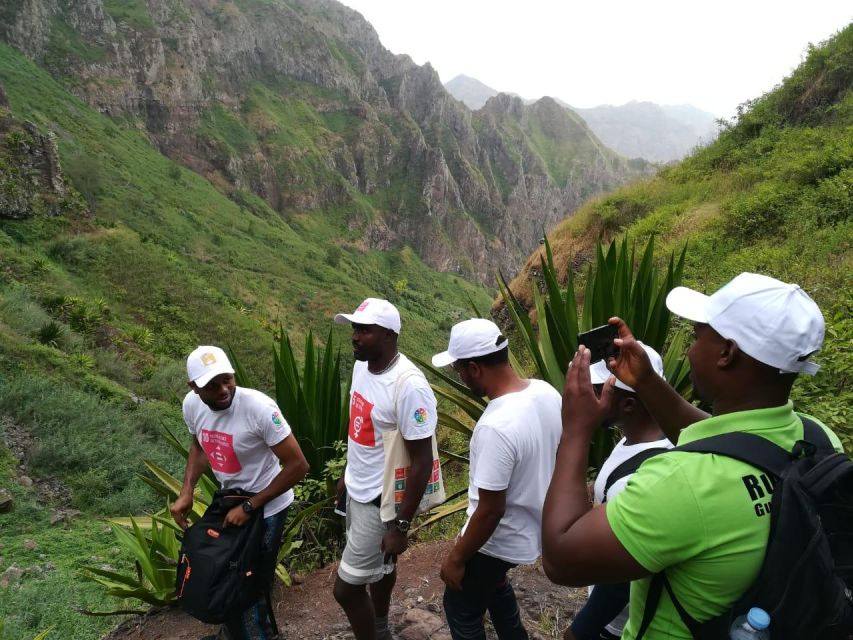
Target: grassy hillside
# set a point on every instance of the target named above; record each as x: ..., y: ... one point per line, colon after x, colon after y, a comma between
x: 774, y: 195
x: 98, y: 310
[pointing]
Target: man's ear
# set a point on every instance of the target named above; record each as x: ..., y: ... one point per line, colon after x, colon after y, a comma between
x: 192, y: 385
x: 729, y: 354
x: 628, y: 404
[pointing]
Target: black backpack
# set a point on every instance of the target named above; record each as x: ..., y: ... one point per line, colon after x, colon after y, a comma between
x: 806, y: 579
x: 220, y: 571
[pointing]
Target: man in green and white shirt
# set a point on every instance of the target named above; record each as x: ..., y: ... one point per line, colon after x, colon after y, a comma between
x: 703, y: 518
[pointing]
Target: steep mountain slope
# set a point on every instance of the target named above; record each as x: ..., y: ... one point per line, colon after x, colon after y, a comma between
x: 298, y: 102
x: 774, y: 194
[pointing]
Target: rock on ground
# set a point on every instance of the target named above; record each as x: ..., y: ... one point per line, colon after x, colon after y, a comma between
x: 308, y: 611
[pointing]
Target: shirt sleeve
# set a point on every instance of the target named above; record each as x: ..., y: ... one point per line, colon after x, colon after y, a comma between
x: 496, y: 460
x: 417, y: 413
x: 270, y: 423
x: 657, y: 517
x: 186, y: 411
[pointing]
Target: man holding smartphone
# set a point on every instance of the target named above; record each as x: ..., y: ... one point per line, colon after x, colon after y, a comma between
x: 689, y: 514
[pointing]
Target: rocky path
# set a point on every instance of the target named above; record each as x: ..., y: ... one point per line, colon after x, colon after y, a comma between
x: 307, y: 610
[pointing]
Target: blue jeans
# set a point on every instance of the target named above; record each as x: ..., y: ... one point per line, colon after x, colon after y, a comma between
x: 605, y: 603
x: 254, y: 623
x: 485, y: 587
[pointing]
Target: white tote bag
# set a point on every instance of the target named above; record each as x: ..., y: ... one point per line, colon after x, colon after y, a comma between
x: 397, y: 463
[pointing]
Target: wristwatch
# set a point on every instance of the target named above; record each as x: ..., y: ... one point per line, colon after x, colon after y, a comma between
x: 248, y: 507
x: 402, y: 525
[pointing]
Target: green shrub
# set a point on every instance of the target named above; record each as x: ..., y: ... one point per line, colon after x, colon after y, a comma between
x: 759, y: 213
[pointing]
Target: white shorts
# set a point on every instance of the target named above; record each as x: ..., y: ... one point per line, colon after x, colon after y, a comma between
x: 363, y: 561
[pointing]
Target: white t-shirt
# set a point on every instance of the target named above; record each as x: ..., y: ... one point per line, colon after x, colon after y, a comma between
x: 514, y: 448
x: 237, y: 441
x: 372, y: 412
x: 621, y: 452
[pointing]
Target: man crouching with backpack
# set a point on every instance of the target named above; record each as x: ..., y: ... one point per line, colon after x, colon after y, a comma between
x: 243, y: 436
x: 690, y: 529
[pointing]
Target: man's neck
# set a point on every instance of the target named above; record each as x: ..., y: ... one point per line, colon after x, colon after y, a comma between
x: 643, y: 432
x: 506, y: 381
x: 382, y: 363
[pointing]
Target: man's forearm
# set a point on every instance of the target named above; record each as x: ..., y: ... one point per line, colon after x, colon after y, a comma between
x: 567, y: 498
x: 286, y: 479
x: 480, y: 528
x: 196, y: 465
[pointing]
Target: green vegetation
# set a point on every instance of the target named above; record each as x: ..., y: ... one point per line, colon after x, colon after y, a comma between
x: 774, y: 194
x: 97, y: 312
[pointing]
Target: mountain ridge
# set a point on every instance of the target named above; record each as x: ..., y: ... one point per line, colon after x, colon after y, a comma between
x: 658, y: 133
x: 299, y: 102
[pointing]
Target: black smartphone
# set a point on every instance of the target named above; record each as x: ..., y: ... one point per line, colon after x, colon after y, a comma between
x: 600, y: 342
x: 341, y: 505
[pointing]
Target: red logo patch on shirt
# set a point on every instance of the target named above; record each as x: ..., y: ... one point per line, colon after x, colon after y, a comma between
x: 219, y: 448
x: 360, y: 422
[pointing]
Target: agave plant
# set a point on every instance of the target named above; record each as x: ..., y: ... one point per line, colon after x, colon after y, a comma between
x: 615, y: 285
x: 315, y: 400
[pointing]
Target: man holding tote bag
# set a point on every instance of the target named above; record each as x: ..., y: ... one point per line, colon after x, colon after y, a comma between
x: 388, y: 394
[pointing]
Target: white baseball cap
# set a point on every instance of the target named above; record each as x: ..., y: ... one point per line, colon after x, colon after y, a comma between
x: 599, y: 373
x: 205, y: 363
x: 774, y: 322
x: 373, y: 311
x: 471, y: 339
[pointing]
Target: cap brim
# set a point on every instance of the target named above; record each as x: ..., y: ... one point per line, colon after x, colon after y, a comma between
x: 343, y: 318
x: 688, y: 303
x: 443, y: 359
x: 202, y: 381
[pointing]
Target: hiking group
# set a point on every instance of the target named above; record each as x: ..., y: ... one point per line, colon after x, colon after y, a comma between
x: 675, y: 538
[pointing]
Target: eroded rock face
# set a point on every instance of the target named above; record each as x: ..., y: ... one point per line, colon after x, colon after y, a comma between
x: 300, y: 103
x: 31, y: 180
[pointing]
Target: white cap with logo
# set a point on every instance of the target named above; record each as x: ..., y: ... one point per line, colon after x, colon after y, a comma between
x: 471, y: 339
x: 599, y: 373
x: 205, y: 363
x: 774, y: 322
x: 373, y: 311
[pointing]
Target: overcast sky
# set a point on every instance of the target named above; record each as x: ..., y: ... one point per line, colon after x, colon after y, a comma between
x: 714, y: 55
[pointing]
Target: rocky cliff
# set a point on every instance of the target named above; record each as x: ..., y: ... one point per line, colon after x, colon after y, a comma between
x: 31, y: 179
x: 299, y: 102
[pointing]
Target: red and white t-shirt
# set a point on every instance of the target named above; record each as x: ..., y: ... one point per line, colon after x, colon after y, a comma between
x: 238, y: 441
x: 372, y: 412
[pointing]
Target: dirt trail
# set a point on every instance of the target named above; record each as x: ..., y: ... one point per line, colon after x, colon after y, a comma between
x: 308, y: 610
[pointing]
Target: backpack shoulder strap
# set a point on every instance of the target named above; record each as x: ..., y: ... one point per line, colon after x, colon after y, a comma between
x: 813, y: 433
x: 746, y: 447
x: 629, y: 466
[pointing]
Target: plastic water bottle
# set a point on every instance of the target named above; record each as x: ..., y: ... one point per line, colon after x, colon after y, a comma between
x: 752, y: 626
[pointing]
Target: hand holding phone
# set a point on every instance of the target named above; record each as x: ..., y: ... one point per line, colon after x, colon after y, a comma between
x: 599, y: 341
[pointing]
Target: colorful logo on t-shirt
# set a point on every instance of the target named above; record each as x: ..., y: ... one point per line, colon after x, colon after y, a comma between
x: 360, y: 422
x: 276, y: 418
x: 219, y: 448
x: 420, y: 415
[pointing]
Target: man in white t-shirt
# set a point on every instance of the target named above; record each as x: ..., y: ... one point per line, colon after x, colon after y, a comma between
x: 605, y: 613
x: 387, y: 392
x: 512, y: 456
x: 241, y: 434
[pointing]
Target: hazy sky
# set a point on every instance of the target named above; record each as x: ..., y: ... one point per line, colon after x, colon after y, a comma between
x: 714, y: 55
